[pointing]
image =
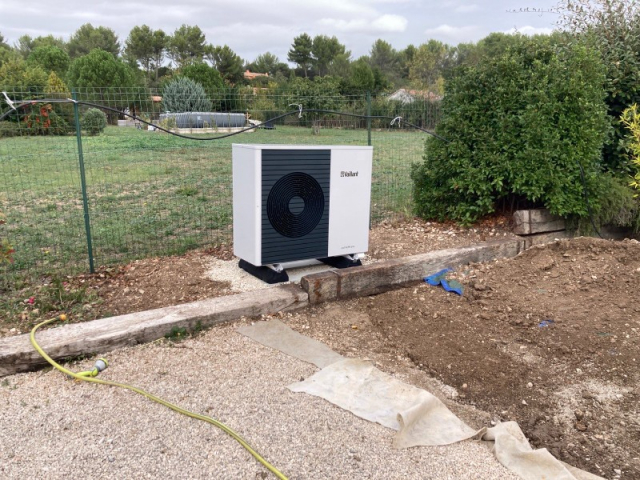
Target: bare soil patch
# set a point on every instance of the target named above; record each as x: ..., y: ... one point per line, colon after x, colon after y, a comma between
x: 404, y: 238
x: 160, y: 282
x: 152, y: 283
x: 141, y: 285
x: 572, y: 385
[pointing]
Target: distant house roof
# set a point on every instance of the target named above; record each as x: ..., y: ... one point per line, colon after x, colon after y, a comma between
x: 156, y: 98
x: 251, y: 75
x: 409, y: 96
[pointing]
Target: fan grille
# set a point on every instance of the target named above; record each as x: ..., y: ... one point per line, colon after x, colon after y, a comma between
x: 301, y: 192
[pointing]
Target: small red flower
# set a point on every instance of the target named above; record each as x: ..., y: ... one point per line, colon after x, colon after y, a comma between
x: 31, y: 300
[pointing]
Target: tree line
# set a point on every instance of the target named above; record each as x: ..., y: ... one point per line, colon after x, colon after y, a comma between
x: 95, y: 57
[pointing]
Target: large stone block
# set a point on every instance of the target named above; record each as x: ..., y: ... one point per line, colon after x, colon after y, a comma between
x: 528, y: 222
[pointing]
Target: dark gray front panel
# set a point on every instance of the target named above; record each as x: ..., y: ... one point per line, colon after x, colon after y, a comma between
x: 295, y: 204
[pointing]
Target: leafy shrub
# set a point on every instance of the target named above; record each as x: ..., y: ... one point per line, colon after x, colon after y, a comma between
x: 43, y: 120
x: 612, y: 27
x: 321, y: 93
x: 94, y: 121
x: 168, y: 123
x: 631, y: 120
x: 6, y: 250
x: 617, y: 205
x: 519, y: 126
x: 233, y: 99
x: 185, y: 95
x: 207, y: 76
x: 422, y: 112
x: 39, y: 121
x: 57, y: 89
x: 9, y: 129
x: 263, y: 107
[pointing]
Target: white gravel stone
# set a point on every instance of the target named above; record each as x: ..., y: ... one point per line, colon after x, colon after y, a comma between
x: 55, y: 428
x: 241, y: 281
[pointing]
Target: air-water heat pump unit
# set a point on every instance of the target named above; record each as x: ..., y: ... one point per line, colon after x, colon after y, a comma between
x: 294, y: 204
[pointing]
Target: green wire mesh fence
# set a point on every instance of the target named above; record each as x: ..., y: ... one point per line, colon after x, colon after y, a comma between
x: 149, y: 193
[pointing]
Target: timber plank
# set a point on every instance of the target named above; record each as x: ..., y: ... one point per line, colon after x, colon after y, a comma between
x: 386, y: 275
x: 321, y: 287
x: 99, y: 336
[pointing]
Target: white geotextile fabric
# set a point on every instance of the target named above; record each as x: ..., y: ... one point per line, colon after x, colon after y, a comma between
x: 419, y: 417
x: 514, y: 452
x: 278, y: 336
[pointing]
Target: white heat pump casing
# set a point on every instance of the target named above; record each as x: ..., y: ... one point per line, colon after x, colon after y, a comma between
x: 349, y: 199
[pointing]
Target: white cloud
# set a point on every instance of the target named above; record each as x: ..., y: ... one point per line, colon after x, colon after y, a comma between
x: 529, y: 30
x: 395, y: 2
x: 459, y: 6
x: 454, y: 34
x: 344, y: 25
x: 382, y: 24
x: 296, y: 7
x: 468, y: 8
x: 390, y: 23
x: 273, y: 39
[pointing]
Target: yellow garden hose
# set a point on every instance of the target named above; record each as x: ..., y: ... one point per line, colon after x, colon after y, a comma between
x: 89, y: 377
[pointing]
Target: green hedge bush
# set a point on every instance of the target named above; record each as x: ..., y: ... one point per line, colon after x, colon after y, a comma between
x: 631, y: 121
x: 6, y: 250
x: 37, y: 124
x: 519, y: 127
x: 617, y: 204
x: 612, y: 27
x: 36, y: 119
x: 93, y: 121
x: 9, y: 129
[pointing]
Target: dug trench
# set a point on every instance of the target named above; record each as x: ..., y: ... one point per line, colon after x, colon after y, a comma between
x: 550, y: 339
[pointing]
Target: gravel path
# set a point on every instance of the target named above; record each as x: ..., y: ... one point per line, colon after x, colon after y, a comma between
x: 52, y: 427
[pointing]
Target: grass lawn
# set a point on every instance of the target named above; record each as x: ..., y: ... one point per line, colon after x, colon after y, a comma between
x: 152, y: 194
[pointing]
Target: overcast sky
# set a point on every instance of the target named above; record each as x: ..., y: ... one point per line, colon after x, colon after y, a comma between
x: 256, y: 26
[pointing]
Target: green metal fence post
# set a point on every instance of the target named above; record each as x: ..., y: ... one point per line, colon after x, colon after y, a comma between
x: 83, y: 183
x: 369, y: 118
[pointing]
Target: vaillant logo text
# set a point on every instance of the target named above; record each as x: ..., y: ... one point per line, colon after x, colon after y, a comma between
x: 349, y: 174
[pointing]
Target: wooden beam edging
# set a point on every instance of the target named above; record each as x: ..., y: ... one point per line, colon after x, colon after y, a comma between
x: 99, y: 336
x: 386, y: 275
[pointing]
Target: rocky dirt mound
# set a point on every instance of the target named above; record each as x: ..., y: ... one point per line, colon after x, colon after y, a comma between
x: 550, y: 338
